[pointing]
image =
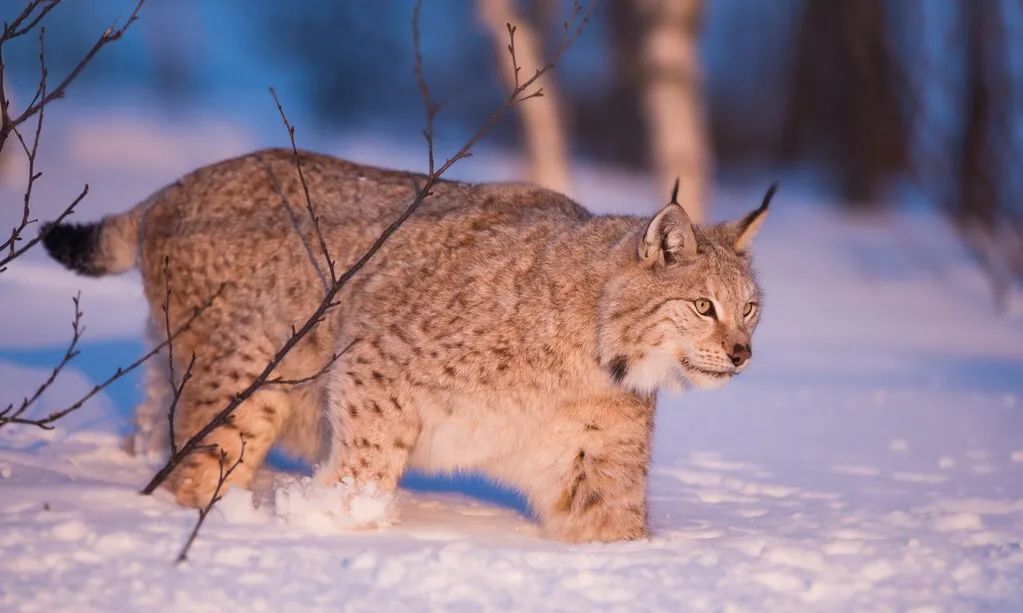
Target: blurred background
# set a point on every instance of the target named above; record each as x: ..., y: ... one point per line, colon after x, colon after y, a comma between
x: 864, y: 94
x: 871, y: 105
x: 877, y: 103
x: 889, y: 355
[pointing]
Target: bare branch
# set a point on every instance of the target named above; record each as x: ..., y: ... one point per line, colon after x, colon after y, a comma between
x: 329, y: 300
x: 30, y: 153
x: 430, y: 107
x: 305, y: 188
x: 176, y: 388
x: 214, y: 499
x: 312, y: 377
x: 170, y: 352
x: 537, y: 94
x: 111, y: 34
x: 29, y: 18
x: 45, y: 422
x: 15, y: 28
x: 511, y: 51
x: 10, y: 32
x: 579, y: 17
x: 573, y: 28
x: 77, y: 329
x: 176, y: 396
x: 45, y: 231
x: 318, y: 373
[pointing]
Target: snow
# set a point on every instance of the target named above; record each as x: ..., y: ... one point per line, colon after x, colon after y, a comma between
x: 870, y: 458
x: 328, y: 508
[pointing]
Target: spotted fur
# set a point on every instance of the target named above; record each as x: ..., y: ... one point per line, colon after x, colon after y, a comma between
x: 502, y: 329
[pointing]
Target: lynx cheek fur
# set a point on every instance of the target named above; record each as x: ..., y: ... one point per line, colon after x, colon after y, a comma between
x: 503, y: 329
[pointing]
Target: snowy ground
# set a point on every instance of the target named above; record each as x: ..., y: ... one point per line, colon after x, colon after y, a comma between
x: 871, y: 459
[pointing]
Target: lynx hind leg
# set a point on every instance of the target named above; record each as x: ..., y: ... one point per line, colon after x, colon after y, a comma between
x: 599, y: 492
x: 224, y: 367
x: 151, y: 438
x: 373, y: 422
x: 255, y: 423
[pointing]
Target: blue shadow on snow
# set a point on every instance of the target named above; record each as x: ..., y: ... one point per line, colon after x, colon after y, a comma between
x: 98, y: 360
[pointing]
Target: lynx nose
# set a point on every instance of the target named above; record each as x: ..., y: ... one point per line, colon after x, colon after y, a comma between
x: 740, y: 354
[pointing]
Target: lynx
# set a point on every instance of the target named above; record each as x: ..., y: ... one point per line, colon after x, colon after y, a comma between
x: 503, y: 329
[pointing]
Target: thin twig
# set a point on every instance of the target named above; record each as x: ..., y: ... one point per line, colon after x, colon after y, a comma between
x: 31, y: 152
x: 69, y: 209
x: 77, y: 329
x: 317, y: 374
x: 13, y: 247
x: 170, y: 352
x: 312, y: 377
x: 176, y: 396
x: 11, y: 31
x: 305, y: 188
x: 111, y: 34
x: 29, y: 18
x: 45, y: 422
x: 176, y: 388
x: 511, y: 51
x: 15, y: 29
x: 329, y: 300
x: 430, y: 107
x: 222, y: 417
x: 214, y: 499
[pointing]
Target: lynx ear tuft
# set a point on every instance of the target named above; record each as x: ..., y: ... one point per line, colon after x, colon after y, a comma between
x: 746, y: 228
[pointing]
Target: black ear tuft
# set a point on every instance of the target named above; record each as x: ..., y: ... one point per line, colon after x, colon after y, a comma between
x: 746, y: 228
x: 768, y: 196
x: 764, y: 204
x: 674, y: 191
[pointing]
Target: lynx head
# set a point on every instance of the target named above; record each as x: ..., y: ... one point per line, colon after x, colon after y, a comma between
x: 684, y: 308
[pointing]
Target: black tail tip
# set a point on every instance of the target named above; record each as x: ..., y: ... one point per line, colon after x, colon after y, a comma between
x: 73, y: 245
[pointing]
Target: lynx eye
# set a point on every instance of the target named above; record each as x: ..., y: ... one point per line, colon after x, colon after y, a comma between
x: 748, y: 310
x: 704, y: 307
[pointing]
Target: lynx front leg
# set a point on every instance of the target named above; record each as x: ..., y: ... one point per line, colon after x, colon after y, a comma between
x: 374, y: 423
x: 600, y: 491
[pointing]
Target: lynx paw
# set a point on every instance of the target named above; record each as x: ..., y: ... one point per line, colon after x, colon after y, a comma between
x: 194, y: 482
x: 597, y: 523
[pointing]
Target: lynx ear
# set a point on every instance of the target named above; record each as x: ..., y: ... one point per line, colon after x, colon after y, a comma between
x: 669, y: 235
x: 746, y: 228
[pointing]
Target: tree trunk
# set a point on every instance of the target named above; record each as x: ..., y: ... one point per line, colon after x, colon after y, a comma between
x: 542, y: 126
x: 844, y: 106
x: 673, y: 99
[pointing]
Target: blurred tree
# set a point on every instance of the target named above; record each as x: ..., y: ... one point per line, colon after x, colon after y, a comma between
x: 978, y: 197
x: 354, y: 60
x: 542, y: 127
x: 606, y: 119
x: 962, y: 99
x: 168, y: 31
x: 987, y: 195
x: 844, y: 107
x: 673, y: 98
